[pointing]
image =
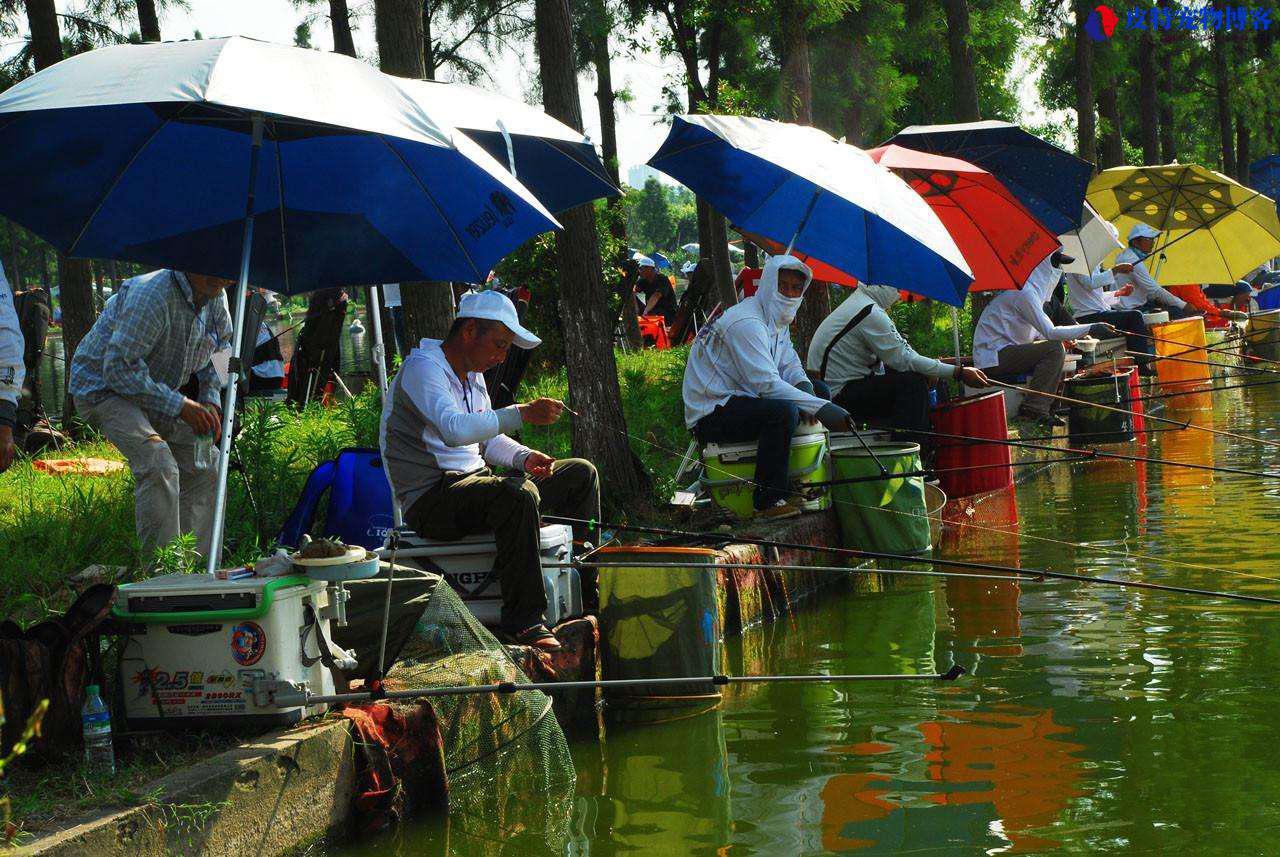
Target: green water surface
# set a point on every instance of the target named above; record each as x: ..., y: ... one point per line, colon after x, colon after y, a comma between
x: 1094, y: 719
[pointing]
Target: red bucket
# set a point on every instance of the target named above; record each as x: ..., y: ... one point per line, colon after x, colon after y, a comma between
x: 975, y: 417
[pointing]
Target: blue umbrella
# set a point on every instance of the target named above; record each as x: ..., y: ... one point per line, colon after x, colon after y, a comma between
x: 556, y: 163
x: 662, y: 262
x: 293, y: 169
x: 1264, y: 177
x: 1049, y: 181
x: 798, y: 186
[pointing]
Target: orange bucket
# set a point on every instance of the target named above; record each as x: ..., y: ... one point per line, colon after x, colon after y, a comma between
x: 1183, y: 339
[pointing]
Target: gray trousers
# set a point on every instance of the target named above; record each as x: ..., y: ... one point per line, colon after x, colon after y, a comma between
x: 1043, y: 359
x: 173, y: 492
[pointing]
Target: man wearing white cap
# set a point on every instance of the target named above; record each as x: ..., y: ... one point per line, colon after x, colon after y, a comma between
x: 1146, y: 291
x: 659, y: 294
x: 440, y: 436
x: 744, y: 382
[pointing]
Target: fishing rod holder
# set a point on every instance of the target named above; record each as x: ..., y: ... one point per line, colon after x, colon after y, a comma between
x: 277, y: 693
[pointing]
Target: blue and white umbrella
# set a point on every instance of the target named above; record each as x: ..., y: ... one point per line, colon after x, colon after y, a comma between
x: 800, y: 187
x: 291, y: 169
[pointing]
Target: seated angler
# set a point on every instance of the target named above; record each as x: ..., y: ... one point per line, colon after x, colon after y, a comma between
x: 1146, y: 295
x: 440, y: 437
x: 1014, y: 336
x: 872, y: 371
x: 126, y: 377
x: 1094, y: 298
x: 744, y: 383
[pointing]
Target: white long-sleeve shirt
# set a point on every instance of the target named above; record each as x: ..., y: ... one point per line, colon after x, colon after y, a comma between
x: 1145, y: 288
x: 1090, y: 294
x: 745, y: 352
x: 13, y: 370
x: 874, y: 340
x: 433, y: 422
x: 1018, y: 318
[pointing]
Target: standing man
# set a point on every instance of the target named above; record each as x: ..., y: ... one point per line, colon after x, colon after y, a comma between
x: 1015, y: 336
x: 659, y: 294
x: 872, y: 371
x: 127, y: 376
x: 12, y: 371
x: 1146, y: 295
x: 744, y: 382
x: 440, y: 437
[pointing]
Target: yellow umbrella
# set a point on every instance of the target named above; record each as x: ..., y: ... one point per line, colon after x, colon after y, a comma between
x: 1212, y: 229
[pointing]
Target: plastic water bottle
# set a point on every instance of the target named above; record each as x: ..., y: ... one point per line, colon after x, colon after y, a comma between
x: 96, y: 720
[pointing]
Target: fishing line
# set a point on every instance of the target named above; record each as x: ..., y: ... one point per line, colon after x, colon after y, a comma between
x: 907, y: 474
x: 1230, y: 348
x: 1090, y: 453
x: 1255, y: 369
x: 1176, y: 393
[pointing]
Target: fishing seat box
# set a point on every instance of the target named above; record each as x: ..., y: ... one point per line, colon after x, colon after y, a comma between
x: 467, y: 565
x: 194, y: 646
x: 728, y: 470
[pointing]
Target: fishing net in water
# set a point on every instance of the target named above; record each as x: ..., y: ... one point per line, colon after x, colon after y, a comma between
x: 507, y: 759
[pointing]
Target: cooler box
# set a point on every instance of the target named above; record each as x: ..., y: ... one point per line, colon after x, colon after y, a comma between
x: 467, y: 565
x: 197, y: 644
x: 729, y: 470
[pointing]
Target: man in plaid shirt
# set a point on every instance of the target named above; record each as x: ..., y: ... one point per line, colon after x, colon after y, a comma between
x: 126, y: 376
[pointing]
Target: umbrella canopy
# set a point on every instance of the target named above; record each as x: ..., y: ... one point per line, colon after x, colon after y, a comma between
x: 1000, y: 239
x: 142, y: 153
x: 1212, y: 229
x: 558, y: 164
x: 1264, y: 176
x: 1089, y: 244
x: 798, y: 186
x: 1049, y: 181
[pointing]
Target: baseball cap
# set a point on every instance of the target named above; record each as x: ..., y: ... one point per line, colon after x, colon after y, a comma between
x: 644, y: 261
x: 496, y: 306
x: 1142, y: 230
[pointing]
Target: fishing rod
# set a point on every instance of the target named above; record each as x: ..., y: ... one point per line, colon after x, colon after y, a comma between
x: 1176, y: 393
x: 1257, y: 369
x: 1036, y: 573
x: 287, y: 695
x: 1098, y: 453
x: 907, y: 474
x: 1232, y: 349
x: 761, y: 566
x: 1223, y: 432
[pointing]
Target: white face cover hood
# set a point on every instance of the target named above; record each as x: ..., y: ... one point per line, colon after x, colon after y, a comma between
x: 778, y: 310
x: 883, y: 296
x: 1044, y: 277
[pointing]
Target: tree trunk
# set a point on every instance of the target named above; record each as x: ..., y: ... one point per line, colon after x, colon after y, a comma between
x: 1222, y: 97
x: 851, y: 117
x: 797, y: 80
x: 1111, y: 153
x: 1168, y: 141
x: 14, y: 266
x: 46, y: 41
x: 1147, y: 116
x: 964, y: 85
x: 1242, y: 149
x: 1263, y: 40
x: 797, y: 106
x: 1086, y: 124
x: 340, y: 23
x: 148, y: 21
x: 428, y: 49
x: 427, y: 305
x: 599, y: 434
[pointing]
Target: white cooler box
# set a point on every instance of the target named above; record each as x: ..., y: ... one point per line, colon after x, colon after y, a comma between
x: 198, y: 644
x: 467, y: 565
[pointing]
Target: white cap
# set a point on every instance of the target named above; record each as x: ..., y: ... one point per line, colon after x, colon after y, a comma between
x: 495, y: 306
x: 644, y: 262
x: 687, y: 267
x: 1142, y: 230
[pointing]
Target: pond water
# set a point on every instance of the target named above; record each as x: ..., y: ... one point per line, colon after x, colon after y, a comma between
x: 357, y: 358
x: 1093, y: 718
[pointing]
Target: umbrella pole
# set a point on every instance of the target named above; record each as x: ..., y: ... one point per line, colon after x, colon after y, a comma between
x: 233, y: 376
x: 379, y: 348
x: 955, y: 332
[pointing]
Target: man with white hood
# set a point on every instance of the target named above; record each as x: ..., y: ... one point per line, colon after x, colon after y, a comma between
x: 744, y: 382
x: 1015, y: 336
x: 12, y: 371
x: 1146, y: 292
x: 873, y: 372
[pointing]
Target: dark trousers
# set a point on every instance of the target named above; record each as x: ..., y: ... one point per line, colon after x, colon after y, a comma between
x: 895, y: 400
x: 1130, y: 322
x: 509, y: 507
x: 769, y: 422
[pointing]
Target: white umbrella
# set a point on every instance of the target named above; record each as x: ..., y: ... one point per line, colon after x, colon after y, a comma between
x: 1089, y: 244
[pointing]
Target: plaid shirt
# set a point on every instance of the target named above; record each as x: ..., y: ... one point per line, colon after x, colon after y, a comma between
x: 148, y: 341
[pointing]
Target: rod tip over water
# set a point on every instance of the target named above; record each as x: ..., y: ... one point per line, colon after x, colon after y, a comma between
x: 954, y: 673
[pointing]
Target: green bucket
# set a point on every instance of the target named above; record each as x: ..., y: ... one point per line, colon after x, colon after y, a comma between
x: 729, y: 469
x: 886, y: 515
